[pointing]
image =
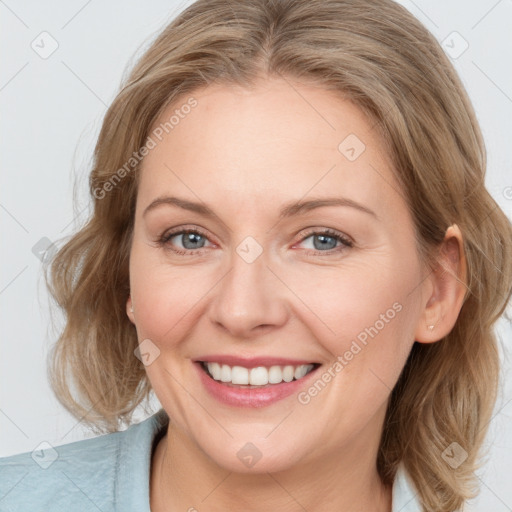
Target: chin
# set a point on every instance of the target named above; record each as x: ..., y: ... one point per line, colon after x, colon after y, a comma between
x: 254, y: 456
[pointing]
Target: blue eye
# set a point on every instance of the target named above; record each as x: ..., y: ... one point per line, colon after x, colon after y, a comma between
x: 190, y: 239
x: 326, y: 241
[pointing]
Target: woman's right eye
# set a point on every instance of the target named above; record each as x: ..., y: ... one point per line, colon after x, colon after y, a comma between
x: 190, y: 240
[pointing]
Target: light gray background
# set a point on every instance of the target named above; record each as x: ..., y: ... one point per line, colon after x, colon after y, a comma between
x: 51, y: 114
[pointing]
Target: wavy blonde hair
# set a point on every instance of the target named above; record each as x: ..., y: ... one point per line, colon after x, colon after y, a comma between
x: 376, y: 54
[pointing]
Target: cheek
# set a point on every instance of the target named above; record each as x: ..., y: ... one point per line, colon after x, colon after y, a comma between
x: 166, y: 297
x: 365, y: 319
x: 356, y: 302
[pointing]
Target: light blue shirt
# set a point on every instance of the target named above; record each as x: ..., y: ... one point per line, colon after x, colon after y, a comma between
x: 107, y: 474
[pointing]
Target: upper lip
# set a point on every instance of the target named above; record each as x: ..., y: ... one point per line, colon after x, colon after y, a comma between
x: 252, y: 362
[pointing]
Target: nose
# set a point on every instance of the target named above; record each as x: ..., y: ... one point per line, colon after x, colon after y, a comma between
x: 249, y: 299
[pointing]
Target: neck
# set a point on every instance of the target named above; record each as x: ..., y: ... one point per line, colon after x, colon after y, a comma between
x: 184, y: 478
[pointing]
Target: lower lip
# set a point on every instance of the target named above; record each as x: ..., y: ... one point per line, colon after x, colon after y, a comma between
x: 241, y: 396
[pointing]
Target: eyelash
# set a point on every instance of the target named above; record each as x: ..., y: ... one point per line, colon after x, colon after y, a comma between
x: 346, y: 243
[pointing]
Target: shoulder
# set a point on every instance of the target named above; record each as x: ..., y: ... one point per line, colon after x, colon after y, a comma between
x: 55, y: 477
x: 92, y: 474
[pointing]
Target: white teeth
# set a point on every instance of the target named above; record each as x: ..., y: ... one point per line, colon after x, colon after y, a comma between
x: 300, y: 371
x: 288, y: 373
x: 275, y: 375
x: 215, y: 370
x: 239, y: 375
x: 225, y: 374
x: 259, y: 376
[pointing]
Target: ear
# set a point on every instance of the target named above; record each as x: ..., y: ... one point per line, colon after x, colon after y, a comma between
x: 447, y: 290
x: 129, y: 310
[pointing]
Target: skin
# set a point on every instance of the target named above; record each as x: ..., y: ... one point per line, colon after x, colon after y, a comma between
x: 246, y: 153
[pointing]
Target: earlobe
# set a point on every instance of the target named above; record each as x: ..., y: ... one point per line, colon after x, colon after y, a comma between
x: 129, y: 309
x: 448, y: 290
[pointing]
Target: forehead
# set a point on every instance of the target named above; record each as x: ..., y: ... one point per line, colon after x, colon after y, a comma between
x: 275, y: 141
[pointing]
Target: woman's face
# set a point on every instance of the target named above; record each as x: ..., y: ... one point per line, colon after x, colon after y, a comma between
x: 300, y: 250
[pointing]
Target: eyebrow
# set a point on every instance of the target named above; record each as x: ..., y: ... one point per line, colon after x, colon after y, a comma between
x: 289, y: 210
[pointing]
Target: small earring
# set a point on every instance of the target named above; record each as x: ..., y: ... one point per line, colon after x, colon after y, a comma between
x: 430, y: 327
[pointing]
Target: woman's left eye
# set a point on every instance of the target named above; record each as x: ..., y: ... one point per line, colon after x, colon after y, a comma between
x: 325, y: 241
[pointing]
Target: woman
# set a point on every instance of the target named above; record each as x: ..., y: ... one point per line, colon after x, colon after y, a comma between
x: 293, y: 247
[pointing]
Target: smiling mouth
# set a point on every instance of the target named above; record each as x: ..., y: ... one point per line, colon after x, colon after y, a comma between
x: 258, y: 377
